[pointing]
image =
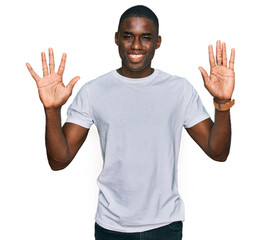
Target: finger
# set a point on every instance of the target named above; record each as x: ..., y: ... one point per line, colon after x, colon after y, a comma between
x: 218, y: 52
x: 211, y: 56
x: 44, y: 64
x: 204, y: 74
x: 232, y: 59
x: 72, y: 83
x: 224, y: 54
x: 62, y: 65
x: 51, y: 60
x: 34, y: 75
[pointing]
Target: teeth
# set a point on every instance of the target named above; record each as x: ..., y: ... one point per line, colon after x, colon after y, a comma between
x: 135, y: 55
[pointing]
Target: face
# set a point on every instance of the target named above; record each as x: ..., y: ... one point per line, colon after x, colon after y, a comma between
x: 137, y: 39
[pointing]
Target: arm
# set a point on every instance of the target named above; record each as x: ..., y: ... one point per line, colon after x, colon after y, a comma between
x: 215, y: 138
x: 62, y: 143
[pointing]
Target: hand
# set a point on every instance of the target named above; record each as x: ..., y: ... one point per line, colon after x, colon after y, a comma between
x: 221, y: 81
x: 52, y: 91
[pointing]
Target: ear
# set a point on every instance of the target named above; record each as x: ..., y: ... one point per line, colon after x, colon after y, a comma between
x: 116, y: 38
x: 158, y: 42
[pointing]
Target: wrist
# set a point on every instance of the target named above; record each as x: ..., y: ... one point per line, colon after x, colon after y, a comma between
x: 221, y: 101
x: 52, y: 110
x: 223, y: 105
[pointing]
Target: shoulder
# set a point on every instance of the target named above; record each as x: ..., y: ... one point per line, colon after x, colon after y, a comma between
x: 102, y: 78
x: 177, y: 80
x: 101, y: 81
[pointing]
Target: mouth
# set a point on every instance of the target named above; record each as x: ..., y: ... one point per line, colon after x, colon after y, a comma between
x: 135, y: 58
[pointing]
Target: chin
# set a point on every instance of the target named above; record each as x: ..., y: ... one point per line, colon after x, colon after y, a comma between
x: 137, y: 67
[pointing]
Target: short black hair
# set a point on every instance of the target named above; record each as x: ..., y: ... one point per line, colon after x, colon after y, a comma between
x: 140, y: 11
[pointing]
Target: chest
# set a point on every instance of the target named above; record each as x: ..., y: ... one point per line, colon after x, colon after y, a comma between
x: 125, y: 108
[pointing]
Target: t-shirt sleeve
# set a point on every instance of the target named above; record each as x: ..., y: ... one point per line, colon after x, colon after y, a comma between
x: 79, y: 111
x: 196, y: 112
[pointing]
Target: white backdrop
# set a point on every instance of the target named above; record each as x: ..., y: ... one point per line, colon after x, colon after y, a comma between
x: 222, y: 200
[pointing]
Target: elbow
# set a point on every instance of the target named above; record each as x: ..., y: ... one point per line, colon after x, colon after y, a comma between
x: 220, y: 158
x: 218, y: 154
x: 57, y: 165
x: 54, y: 168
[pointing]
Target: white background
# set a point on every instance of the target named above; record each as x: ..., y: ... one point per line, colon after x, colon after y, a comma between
x: 222, y: 200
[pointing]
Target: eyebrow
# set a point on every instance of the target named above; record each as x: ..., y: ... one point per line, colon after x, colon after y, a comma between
x: 130, y: 33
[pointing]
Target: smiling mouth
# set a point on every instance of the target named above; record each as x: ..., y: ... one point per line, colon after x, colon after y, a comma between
x: 135, y: 58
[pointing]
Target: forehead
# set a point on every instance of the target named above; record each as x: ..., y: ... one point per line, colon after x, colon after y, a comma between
x: 137, y: 24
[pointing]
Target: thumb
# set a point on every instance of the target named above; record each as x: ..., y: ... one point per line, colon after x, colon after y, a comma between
x: 72, y: 83
x: 204, y: 74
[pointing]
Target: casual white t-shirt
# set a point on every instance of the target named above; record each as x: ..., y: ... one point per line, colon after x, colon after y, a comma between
x: 139, y: 122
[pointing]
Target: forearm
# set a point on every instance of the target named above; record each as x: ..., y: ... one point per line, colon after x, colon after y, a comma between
x: 56, y: 143
x: 220, y: 136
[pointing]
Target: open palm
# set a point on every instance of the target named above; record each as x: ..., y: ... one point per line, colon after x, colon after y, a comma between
x: 221, y: 81
x: 52, y: 92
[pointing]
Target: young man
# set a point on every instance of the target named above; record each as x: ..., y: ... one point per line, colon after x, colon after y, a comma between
x: 139, y: 113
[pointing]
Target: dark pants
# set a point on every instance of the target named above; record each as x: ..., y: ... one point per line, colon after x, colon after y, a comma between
x: 173, y: 231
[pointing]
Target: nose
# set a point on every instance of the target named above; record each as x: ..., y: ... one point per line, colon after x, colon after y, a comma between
x: 136, y: 44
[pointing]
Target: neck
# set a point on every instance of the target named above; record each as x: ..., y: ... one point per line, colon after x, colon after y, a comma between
x: 135, y: 74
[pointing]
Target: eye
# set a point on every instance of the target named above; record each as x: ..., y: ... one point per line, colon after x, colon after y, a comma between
x: 146, y: 38
x: 127, y: 37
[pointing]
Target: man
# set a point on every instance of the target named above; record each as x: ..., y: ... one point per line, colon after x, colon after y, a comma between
x: 139, y: 113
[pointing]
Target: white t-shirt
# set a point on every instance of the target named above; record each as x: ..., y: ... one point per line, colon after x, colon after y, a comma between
x: 139, y: 122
